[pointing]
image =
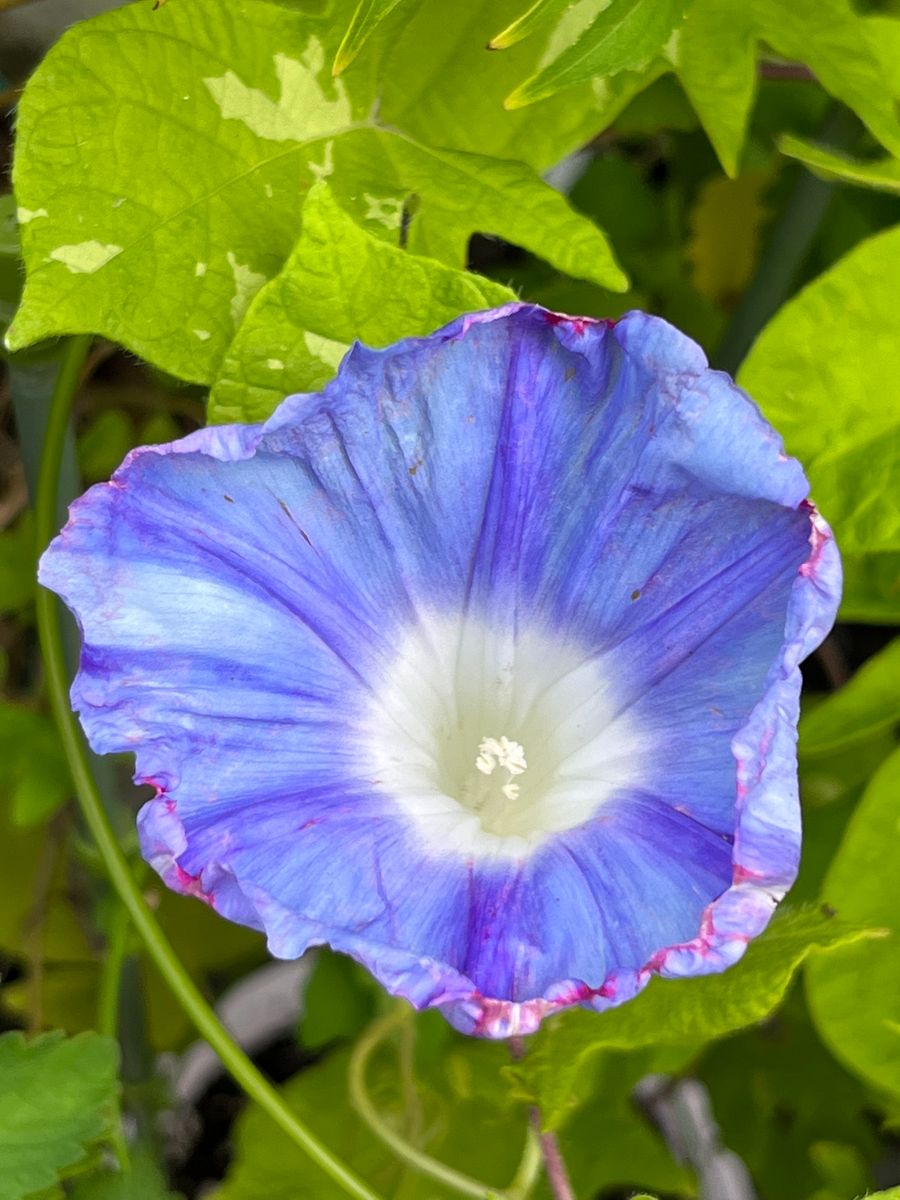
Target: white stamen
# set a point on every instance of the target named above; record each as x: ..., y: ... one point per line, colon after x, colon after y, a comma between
x: 500, y: 752
x: 508, y: 756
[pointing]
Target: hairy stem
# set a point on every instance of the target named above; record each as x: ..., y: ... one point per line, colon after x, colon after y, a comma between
x: 158, y: 947
x: 555, y: 1167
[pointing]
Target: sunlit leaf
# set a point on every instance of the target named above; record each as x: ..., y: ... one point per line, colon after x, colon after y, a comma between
x: 855, y: 997
x: 626, y: 36
x: 456, y: 100
x: 823, y: 371
x: 366, y: 19
x: 338, y: 284
x: 56, y: 1098
x: 534, y: 18
x: 126, y: 244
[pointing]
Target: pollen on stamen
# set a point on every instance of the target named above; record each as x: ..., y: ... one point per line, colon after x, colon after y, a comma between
x: 503, y: 753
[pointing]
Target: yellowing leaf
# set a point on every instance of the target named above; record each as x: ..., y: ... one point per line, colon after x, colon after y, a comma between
x: 724, y: 242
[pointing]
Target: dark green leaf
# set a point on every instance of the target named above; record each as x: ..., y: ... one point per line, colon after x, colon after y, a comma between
x: 339, y: 1001
x: 144, y: 1181
x: 33, y: 768
x: 104, y: 443
x: 716, y: 62
x: 773, y: 1091
x: 869, y: 704
x: 18, y: 564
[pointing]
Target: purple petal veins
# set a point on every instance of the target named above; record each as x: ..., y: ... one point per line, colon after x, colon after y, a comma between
x: 481, y: 665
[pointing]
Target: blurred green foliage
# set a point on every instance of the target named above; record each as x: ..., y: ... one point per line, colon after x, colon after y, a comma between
x: 195, y: 187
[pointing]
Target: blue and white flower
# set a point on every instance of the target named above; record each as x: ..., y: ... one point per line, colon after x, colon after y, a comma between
x: 481, y: 665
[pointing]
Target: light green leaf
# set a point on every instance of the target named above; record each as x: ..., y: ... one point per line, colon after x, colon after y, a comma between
x: 540, y: 14
x: 716, y: 62
x: 456, y: 99
x: 883, y: 174
x: 824, y: 371
x: 869, y: 704
x: 366, y: 20
x: 56, y: 1098
x: 855, y: 998
x: 339, y: 283
x: 626, y: 36
x: 127, y: 243
x: 675, y: 1012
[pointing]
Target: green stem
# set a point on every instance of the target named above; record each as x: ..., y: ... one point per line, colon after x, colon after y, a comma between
x: 111, y: 973
x: 377, y: 1032
x: 529, y: 1167
x: 158, y: 947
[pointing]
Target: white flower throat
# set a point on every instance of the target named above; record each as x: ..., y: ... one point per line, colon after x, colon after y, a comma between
x: 433, y: 736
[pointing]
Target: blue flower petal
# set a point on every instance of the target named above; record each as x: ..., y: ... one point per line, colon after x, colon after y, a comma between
x: 568, y: 535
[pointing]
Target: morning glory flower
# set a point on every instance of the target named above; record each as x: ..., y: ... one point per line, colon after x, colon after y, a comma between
x: 480, y: 665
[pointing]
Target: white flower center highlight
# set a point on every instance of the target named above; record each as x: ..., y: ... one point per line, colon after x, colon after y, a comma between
x: 432, y: 736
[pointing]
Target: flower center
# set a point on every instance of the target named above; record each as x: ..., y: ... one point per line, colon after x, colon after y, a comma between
x: 491, y: 792
x: 433, y: 736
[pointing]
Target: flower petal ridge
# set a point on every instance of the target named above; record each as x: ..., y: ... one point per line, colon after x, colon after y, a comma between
x: 481, y: 665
